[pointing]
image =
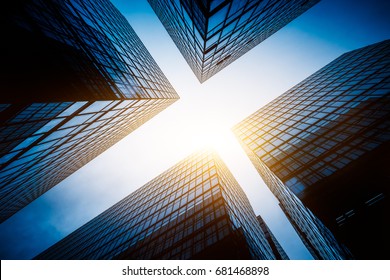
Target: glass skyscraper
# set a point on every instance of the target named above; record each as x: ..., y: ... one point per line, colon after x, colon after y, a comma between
x: 211, y: 34
x: 194, y: 210
x: 326, y: 141
x: 317, y: 238
x: 77, y: 80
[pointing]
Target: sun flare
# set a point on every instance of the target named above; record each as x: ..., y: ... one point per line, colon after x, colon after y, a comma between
x: 206, y: 131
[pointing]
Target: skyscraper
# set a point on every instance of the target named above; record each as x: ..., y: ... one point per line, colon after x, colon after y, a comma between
x: 211, y: 34
x: 77, y: 79
x: 327, y: 141
x: 194, y: 210
x: 317, y: 238
x: 277, y: 249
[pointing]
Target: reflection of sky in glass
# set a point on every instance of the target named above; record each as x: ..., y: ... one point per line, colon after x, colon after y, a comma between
x: 204, y: 112
x: 229, y: 28
x: 165, y: 208
x: 300, y: 132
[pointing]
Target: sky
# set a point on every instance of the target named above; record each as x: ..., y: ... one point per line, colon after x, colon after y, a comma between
x: 203, y: 116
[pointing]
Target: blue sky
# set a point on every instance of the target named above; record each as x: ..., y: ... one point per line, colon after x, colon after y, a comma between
x: 203, y: 116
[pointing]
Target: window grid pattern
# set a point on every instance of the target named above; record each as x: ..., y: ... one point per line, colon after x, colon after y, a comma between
x: 45, y: 138
x: 325, y: 122
x: 213, y: 34
x: 177, y: 215
x: 98, y: 31
x: 241, y: 212
x: 315, y: 235
x: 56, y: 145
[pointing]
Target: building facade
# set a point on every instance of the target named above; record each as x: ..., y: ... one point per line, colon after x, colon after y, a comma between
x: 211, y: 34
x: 327, y: 141
x: 194, y: 210
x: 84, y: 82
x: 317, y: 238
x: 277, y: 249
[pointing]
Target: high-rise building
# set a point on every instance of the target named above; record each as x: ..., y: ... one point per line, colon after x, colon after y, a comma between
x: 327, y: 141
x: 317, y: 238
x: 211, y: 34
x: 194, y: 210
x: 76, y: 80
x: 277, y: 249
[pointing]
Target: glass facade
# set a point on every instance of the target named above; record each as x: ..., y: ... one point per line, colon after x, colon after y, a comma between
x: 277, y: 249
x: 317, y: 238
x: 85, y: 82
x: 194, y: 210
x: 327, y: 140
x: 211, y: 34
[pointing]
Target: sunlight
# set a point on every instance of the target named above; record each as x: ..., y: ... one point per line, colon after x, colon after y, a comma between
x: 205, y: 131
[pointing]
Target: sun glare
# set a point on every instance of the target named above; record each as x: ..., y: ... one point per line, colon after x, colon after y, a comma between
x: 207, y: 131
